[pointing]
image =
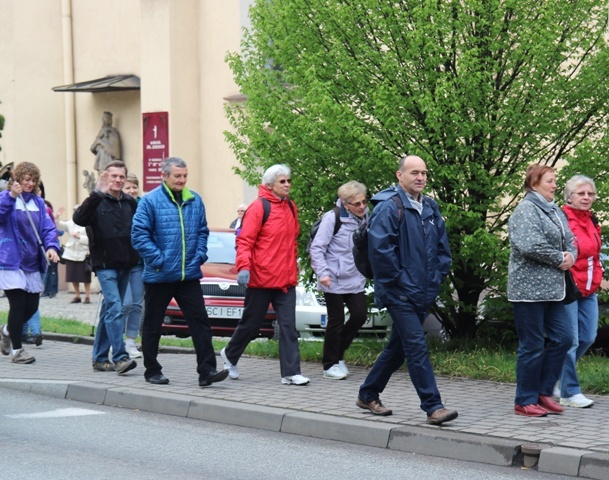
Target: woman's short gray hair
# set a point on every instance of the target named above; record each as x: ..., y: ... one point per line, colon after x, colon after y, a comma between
x: 574, y: 182
x: 350, y: 190
x: 172, y: 161
x: 271, y: 174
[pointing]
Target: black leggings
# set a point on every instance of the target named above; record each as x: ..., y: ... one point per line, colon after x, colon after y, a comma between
x: 22, y: 305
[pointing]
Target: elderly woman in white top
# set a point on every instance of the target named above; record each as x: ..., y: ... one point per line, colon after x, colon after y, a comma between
x: 75, y: 252
x: 338, y: 278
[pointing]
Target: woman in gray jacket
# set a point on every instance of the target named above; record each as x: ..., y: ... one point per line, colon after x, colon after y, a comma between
x: 541, y: 250
x: 338, y: 278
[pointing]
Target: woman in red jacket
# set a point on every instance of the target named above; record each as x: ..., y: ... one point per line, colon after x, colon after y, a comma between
x: 580, y: 193
x: 267, y: 262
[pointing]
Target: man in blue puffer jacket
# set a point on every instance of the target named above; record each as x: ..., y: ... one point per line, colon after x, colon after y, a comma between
x: 170, y: 233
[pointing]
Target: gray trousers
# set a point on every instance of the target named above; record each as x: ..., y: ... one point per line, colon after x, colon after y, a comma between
x: 257, y: 302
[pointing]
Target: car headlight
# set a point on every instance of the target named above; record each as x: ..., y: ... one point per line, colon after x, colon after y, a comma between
x: 305, y: 298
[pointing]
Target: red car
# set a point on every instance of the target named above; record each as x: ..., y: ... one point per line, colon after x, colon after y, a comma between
x: 223, y: 296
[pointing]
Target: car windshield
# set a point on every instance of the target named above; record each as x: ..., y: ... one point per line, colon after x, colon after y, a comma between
x: 221, y: 247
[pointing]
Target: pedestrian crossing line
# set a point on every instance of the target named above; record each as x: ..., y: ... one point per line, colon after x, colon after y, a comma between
x: 59, y: 413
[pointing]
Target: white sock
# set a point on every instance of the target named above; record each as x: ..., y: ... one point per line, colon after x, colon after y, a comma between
x: 5, y: 331
x: 15, y: 352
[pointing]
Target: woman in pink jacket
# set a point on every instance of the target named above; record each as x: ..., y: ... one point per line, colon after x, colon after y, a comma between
x: 580, y: 193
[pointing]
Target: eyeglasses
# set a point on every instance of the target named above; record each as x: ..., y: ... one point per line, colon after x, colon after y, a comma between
x: 283, y: 181
x: 240, y: 211
x: 358, y: 204
x: 583, y: 194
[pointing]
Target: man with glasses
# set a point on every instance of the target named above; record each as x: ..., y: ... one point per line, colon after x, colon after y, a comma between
x: 410, y: 257
x: 267, y: 253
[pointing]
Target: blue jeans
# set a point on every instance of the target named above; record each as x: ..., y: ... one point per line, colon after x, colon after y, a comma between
x: 51, y: 282
x: 132, y: 303
x: 407, y: 342
x: 583, y: 321
x: 109, y: 333
x: 32, y: 325
x: 544, y: 336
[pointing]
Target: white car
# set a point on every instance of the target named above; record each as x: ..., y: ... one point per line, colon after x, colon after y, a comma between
x: 312, y: 316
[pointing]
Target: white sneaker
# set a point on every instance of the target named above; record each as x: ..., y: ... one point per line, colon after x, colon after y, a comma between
x: 577, y: 401
x: 556, y: 391
x: 133, y: 351
x: 233, y: 372
x: 295, y: 380
x: 343, y: 367
x: 334, y: 373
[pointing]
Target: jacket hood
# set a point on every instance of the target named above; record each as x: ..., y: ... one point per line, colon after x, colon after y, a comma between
x: 265, y: 192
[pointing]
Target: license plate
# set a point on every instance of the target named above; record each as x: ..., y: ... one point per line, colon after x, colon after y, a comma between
x: 324, y: 321
x: 224, y: 312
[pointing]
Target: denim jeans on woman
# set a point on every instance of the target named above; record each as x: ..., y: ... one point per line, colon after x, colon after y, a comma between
x: 544, y: 337
x: 132, y: 303
x: 583, y: 322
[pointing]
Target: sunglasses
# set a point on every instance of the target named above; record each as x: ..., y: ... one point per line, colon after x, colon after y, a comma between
x: 358, y: 204
x: 283, y: 181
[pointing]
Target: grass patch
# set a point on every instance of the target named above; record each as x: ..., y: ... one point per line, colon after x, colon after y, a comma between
x: 476, y: 360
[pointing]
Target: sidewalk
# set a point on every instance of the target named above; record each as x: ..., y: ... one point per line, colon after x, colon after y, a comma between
x: 487, y: 431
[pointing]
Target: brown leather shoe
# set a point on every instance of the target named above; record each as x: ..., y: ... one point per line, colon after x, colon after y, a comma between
x: 87, y: 300
x: 441, y: 415
x: 75, y: 300
x: 375, y: 406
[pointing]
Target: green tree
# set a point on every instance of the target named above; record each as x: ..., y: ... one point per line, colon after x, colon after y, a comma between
x: 340, y: 89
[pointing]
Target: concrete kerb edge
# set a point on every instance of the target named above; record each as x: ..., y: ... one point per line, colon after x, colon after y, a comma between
x: 341, y: 429
x: 51, y: 388
x: 426, y: 441
x: 594, y: 465
x: 84, y: 340
x: 441, y: 442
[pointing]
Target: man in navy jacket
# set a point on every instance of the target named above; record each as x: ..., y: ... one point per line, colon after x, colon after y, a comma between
x: 410, y: 257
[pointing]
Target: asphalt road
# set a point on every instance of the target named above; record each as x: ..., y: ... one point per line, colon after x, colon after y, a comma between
x: 46, y: 438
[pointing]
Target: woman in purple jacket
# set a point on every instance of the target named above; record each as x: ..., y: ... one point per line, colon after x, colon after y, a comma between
x: 339, y: 279
x: 24, y: 222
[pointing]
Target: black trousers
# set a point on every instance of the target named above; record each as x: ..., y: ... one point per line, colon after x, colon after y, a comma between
x: 340, y: 335
x: 22, y: 305
x: 189, y: 298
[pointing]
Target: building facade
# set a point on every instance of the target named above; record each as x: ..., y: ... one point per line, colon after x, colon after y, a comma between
x: 174, y: 49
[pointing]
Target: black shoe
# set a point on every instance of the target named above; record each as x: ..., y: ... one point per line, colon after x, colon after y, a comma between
x: 213, y: 377
x: 38, y: 339
x: 28, y: 339
x: 158, y: 379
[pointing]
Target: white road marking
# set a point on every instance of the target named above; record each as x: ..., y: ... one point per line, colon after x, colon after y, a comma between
x: 61, y: 412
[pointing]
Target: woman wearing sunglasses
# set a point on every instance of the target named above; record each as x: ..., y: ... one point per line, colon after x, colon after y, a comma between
x: 338, y: 278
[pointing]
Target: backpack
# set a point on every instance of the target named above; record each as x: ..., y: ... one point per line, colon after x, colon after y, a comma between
x: 315, y: 227
x: 360, y: 242
x: 266, y: 211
